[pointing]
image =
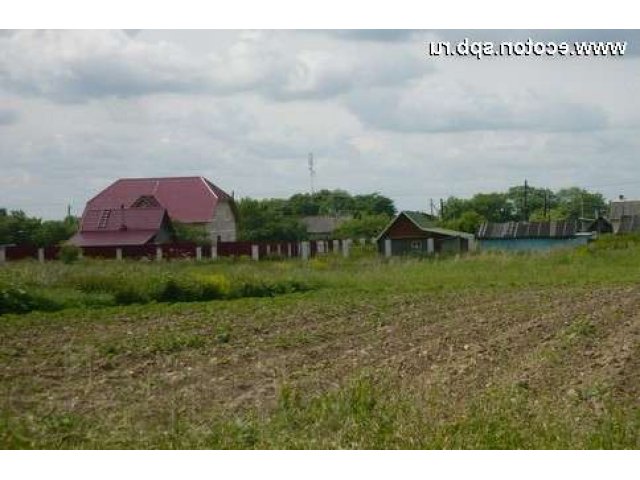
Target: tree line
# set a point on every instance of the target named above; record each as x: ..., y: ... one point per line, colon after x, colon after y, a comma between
x: 518, y: 204
x: 281, y: 218
x: 278, y: 218
x: 16, y: 228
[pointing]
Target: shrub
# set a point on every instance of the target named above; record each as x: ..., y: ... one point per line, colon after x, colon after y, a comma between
x: 14, y: 299
x: 193, y: 289
x: 69, y: 253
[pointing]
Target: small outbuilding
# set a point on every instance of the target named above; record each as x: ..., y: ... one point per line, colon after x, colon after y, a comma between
x: 415, y: 233
x: 530, y: 236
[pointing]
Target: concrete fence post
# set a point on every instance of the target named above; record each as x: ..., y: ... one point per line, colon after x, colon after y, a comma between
x: 41, y: 255
x: 336, y: 246
x: 279, y: 249
x: 198, y: 253
x: 268, y: 252
x: 289, y: 249
x: 387, y: 247
x: 363, y: 241
x: 255, y: 252
x: 345, y: 247
x: 214, y: 251
x: 430, y: 246
x: 472, y: 245
x: 118, y: 253
x: 305, y: 250
x: 158, y: 253
x: 3, y: 254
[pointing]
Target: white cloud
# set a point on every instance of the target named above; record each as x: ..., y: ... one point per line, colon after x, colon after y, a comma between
x: 79, y: 65
x: 78, y: 109
x: 439, y: 105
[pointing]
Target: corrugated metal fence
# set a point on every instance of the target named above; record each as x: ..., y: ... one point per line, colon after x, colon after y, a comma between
x: 255, y: 250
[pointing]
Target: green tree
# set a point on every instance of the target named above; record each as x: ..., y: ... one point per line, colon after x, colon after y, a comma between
x: 20, y: 229
x: 262, y: 220
x: 553, y: 214
x: 577, y: 202
x: 197, y: 234
x: 535, y: 200
x: 468, y: 222
x: 366, y: 226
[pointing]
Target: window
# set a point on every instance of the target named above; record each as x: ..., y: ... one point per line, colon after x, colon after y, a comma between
x: 416, y: 245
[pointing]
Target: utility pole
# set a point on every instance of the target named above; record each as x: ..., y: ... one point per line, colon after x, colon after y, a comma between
x: 312, y: 173
x: 431, y: 205
x: 525, y: 209
x: 68, y: 210
x: 441, y: 209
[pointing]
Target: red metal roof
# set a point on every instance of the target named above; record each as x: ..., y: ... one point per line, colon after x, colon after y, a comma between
x: 122, y: 219
x: 119, y: 227
x: 187, y: 199
x: 112, y: 239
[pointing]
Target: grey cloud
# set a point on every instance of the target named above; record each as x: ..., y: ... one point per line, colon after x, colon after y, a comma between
x: 8, y: 117
x: 245, y: 108
x: 632, y: 37
x: 436, y: 107
x: 383, y: 35
x: 75, y: 66
x: 71, y: 66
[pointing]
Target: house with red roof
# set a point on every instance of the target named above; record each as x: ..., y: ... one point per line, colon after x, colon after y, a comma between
x: 137, y: 211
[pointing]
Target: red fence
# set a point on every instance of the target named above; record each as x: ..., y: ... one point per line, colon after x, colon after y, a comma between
x: 184, y: 250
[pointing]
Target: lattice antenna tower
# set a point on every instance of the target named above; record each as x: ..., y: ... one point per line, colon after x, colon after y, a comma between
x: 312, y: 173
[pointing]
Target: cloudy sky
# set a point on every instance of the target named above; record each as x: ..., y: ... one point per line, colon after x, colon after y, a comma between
x: 244, y: 108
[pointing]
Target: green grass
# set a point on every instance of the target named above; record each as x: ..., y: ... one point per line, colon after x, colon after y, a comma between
x: 479, y: 351
x: 28, y: 286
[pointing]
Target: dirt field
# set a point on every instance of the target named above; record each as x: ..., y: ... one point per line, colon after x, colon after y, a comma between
x: 502, y: 367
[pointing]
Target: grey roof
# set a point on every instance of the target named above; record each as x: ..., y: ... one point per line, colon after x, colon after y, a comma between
x: 624, y: 207
x: 323, y: 223
x: 552, y: 229
x: 600, y: 224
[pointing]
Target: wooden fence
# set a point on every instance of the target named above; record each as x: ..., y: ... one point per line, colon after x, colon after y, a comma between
x: 171, y: 251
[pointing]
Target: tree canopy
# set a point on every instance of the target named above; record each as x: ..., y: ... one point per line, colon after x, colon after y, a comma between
x: 280, y: 219
x: 18, y: 228
x: 541, y: 204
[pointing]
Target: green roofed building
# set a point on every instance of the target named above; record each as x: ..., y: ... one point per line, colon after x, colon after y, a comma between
x: 416, y: 233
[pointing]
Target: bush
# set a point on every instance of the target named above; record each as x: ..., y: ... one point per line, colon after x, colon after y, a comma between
x: 193, y: 289
x: 14, y: 299
x: 69, y: 253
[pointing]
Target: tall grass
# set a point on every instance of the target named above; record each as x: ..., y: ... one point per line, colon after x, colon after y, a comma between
x: 27, y: 286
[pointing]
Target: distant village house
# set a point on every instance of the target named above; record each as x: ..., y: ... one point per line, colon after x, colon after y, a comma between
x: 415, y: 233
x: 624, y: 216
x: 137, y: 211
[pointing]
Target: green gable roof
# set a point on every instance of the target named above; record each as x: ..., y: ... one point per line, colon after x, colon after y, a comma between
x: 422, y: 220
x: 426, y: 223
